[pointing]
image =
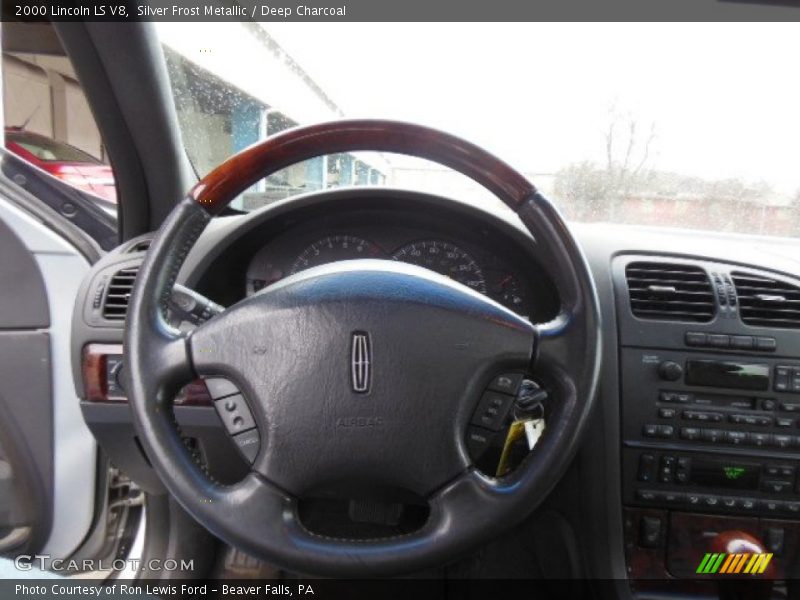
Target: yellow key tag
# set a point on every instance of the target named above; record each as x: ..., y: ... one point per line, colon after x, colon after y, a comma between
x: 533, y: 431
x: 515, y: 432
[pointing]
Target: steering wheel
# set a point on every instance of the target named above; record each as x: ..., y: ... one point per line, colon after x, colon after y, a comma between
x: 432, y: 347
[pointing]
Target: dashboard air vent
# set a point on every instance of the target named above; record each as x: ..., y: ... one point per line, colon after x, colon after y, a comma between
x: 141, y: 246
x: 119, y: 294
x: 766, y: 302
x: 670, y: 292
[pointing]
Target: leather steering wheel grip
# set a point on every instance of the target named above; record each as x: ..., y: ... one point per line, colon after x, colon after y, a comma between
x: 260, y: 517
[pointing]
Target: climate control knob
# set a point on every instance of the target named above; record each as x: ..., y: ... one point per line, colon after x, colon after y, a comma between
x: 670, y: 370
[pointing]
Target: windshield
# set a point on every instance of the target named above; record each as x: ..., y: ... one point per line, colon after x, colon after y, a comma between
x: 681, y: 125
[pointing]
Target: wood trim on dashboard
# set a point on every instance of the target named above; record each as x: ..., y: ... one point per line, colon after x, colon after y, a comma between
x: 93, y: 370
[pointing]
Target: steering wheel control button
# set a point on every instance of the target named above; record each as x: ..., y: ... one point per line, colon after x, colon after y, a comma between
x: 248, y: 444
x: 492, y: 410
x: 478, y: 441
x: 507, y: 383
x: 219, y: 387
x: 235, y: 414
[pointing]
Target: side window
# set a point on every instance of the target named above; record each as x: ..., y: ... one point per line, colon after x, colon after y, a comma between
x: 48, y: 123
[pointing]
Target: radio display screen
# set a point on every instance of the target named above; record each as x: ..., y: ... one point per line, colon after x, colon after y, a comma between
x: 737, y: 475
x: 722, y: 374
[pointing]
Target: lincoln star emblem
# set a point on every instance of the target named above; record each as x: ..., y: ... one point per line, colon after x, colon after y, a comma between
x: 360, y: 367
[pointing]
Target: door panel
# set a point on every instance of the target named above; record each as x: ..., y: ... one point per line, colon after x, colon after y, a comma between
x: 44, y: 439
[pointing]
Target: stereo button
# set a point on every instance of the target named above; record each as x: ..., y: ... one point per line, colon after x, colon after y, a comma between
x: 235, y: 414
x: 695, y: 415
x: 737, y: 438
x: 760, y: 439
x: 748, y: 503
x: 650, y: 430
x: 690, y: 433
x: 647, y: 468
x: 665, y: 431
x: 508, y: 383
x: 666, y: 413
x: 775, y: 486
x: 782, y: 441
x: 790, y: 406
x: 767, y: 344
x: 646, y: 495
x: 719, y: 340
x: 670, y: 370
x: 730, y: 502
x: 695, y: 338
x: 712, y: 435
x: 742, y: 341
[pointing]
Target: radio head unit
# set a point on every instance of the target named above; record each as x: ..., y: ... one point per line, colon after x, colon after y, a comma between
x: 728, y: 374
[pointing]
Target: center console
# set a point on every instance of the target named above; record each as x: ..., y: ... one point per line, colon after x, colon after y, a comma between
x: 710, y: 406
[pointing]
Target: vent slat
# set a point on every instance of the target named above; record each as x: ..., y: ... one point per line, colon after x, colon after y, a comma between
x: 766, y: 302
x: 115, y: 304
x: 670, y: 291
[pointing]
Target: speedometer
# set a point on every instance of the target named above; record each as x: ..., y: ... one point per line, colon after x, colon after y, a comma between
x: 335, y: 248
x: 446, y: 259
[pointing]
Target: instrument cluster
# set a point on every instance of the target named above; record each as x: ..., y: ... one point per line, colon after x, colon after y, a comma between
x: 466, y: 263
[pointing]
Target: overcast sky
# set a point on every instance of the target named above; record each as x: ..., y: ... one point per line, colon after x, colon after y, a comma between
x: 725, y: 98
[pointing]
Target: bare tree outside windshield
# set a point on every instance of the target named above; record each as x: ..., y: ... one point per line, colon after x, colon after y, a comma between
x: 678, y: 125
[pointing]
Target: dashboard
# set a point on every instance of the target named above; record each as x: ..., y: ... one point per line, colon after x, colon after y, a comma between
x: 668, y: 456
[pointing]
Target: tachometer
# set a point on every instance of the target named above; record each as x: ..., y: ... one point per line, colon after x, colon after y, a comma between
x: 333, y: 249
x: 446, y: 259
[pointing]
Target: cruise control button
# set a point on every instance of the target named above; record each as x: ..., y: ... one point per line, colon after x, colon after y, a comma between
x: 248, y: 443
x: 507, y: 383
x: 235, y: 414
x: 492, y: 410
x: 219, y: 387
